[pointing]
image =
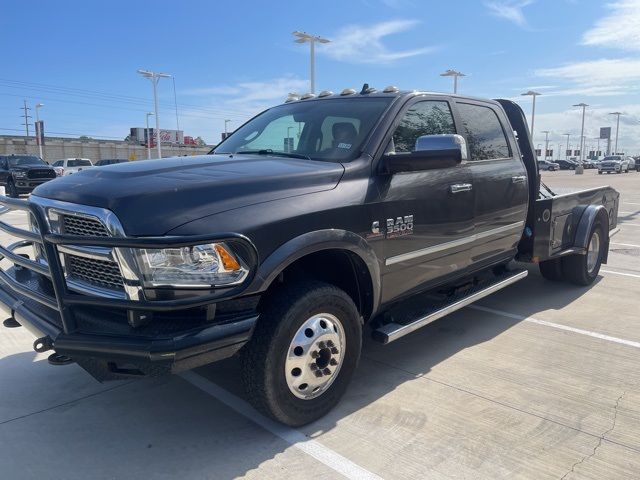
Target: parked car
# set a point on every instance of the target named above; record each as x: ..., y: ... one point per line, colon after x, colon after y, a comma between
x: 547, y: 165
x: 73, y: 165
x: 590, y: 163
x: 22, y: 173
x: 285, y: 255
x: 566, y: 164
x: 613, y: 163
x: 109, y: 161
x: 637, y: 161
x: 634, y: 165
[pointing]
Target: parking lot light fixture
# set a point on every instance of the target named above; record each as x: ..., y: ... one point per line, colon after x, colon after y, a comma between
x: 584, y: 107
x: 546, y: 143
x: 566, y: 154
x: 532, y: 94
x: 155, y: 77
x: 148, y: 137
x: 303, y: 37
x: 455, y: 74
x: 617, y: 114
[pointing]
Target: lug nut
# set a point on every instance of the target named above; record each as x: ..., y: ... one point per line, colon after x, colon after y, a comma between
x: 330, y: 344
x: 315, y: 354
x: 326, y: 371
x: 313, y: 366
x: 318, y: 373
x: 322, y: 345
x: 334, y: 350
x: 333, y: 362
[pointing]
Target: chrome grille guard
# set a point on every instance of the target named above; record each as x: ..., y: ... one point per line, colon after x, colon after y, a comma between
x: 64, y: 300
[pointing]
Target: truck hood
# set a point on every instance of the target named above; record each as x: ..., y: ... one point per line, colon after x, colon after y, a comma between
x: 152, y: 197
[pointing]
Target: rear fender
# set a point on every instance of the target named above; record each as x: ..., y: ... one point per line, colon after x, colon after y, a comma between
x: 592, y: 214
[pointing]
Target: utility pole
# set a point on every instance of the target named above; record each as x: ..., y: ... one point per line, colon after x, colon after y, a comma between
x: 303, y: 37
x: 39, y: 132
x: 26, y: 118
x: 617, y: 114
x: 584, y: 107
x: 455, y: 74
x: 533, y: 94
x: 546, y: 143
x: 565, y: 152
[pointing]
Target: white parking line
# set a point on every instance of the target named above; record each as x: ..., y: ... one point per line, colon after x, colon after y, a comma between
x: 625, y: 224
x: 630, y: 203
x: 634, y: 275
x: 625, y: 244
x: 294, y: 437
x: 589, y: 333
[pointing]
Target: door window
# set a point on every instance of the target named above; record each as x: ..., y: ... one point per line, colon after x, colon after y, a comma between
x: 485, y: 135
x: 423, y: 118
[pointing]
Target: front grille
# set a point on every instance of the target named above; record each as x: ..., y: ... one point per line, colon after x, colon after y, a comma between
x: 42, y: 173
x: 95, y: 272
x: 85, y: 226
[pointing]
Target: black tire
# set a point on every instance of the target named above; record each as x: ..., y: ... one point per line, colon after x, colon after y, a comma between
x: 552, y: 269
x: 574, y: 267
x: 264, y: 357
x: 12, y: 191
x: 599, y: 172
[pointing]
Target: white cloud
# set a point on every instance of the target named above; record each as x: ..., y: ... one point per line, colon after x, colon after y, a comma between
x: 510, y: 10
x: 603, y: 77
x: 363, y: 44
x: 620, y: 29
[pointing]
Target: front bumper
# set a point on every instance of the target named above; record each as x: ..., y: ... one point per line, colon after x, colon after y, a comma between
x: 97, y: 332
x: 27, y: 185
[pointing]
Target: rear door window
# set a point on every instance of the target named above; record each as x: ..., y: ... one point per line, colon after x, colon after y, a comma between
x: 485, y: 135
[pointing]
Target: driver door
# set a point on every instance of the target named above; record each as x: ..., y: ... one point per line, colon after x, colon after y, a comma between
x: 427, y: 215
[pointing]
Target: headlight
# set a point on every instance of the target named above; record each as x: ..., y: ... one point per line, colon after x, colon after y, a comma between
x: 212, y: 264
x: 21, y: 174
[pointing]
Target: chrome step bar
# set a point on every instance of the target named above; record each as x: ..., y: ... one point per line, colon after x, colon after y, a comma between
x: 393, y: 331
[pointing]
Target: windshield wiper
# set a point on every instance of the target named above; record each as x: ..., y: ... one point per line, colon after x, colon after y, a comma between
x: 268, y: 151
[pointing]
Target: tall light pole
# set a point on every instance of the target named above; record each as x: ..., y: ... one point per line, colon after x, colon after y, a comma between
x: 148, y: 137
x: 565, y: 152
x: 303, y: 37
x: 598, y: 148
x: 546, y: 143
x: 39, y: 132
x: 155, y: 77
x: 532, y: 94
x: 584, y: 107
x: 225, y: 127
x: 455, y: 74
x: 175, y: 101
x: 617, y: 114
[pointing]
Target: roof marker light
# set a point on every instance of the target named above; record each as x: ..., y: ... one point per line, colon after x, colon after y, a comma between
x: 307, y: 96
x: 325, y: 93
x: 391, y: 89
x: 348, y: 91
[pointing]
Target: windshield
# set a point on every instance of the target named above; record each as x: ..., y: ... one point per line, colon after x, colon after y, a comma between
x: 613, y: 157
x: 79, y: 163
x: 332, y: 130
x: 24, y: 160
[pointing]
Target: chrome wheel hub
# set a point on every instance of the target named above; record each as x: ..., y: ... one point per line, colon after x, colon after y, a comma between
x: 315, y: 356
x: 593, y: 252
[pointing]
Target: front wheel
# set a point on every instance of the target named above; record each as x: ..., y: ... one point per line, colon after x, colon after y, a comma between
x: 303, y: 352
x: 583, y: 269
x: 12, y: 191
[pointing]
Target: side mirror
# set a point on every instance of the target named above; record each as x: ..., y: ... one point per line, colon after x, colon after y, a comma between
x: 430, y: 152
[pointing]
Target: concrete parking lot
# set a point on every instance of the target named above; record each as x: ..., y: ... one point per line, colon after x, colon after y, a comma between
x: 541, y: 380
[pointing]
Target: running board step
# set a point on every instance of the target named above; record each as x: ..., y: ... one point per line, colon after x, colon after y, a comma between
x: 393, y: 331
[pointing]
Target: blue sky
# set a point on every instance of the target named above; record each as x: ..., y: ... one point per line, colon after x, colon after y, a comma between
x: 232, y: 59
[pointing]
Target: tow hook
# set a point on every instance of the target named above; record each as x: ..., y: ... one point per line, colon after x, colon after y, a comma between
x: 43, y: 344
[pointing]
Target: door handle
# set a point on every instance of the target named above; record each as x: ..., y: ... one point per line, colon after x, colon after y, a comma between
x: 518, y: 179
x: 461, y: 187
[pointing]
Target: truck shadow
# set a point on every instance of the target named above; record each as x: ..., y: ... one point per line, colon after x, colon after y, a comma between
x: 166, y: 427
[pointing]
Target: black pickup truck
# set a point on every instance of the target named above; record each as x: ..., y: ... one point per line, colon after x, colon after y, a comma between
x: 22, y: 173
x: 315, y: 220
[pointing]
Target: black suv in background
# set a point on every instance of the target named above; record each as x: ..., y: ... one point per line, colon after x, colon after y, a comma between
x: 566, y: 164
x: 22, y: 173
